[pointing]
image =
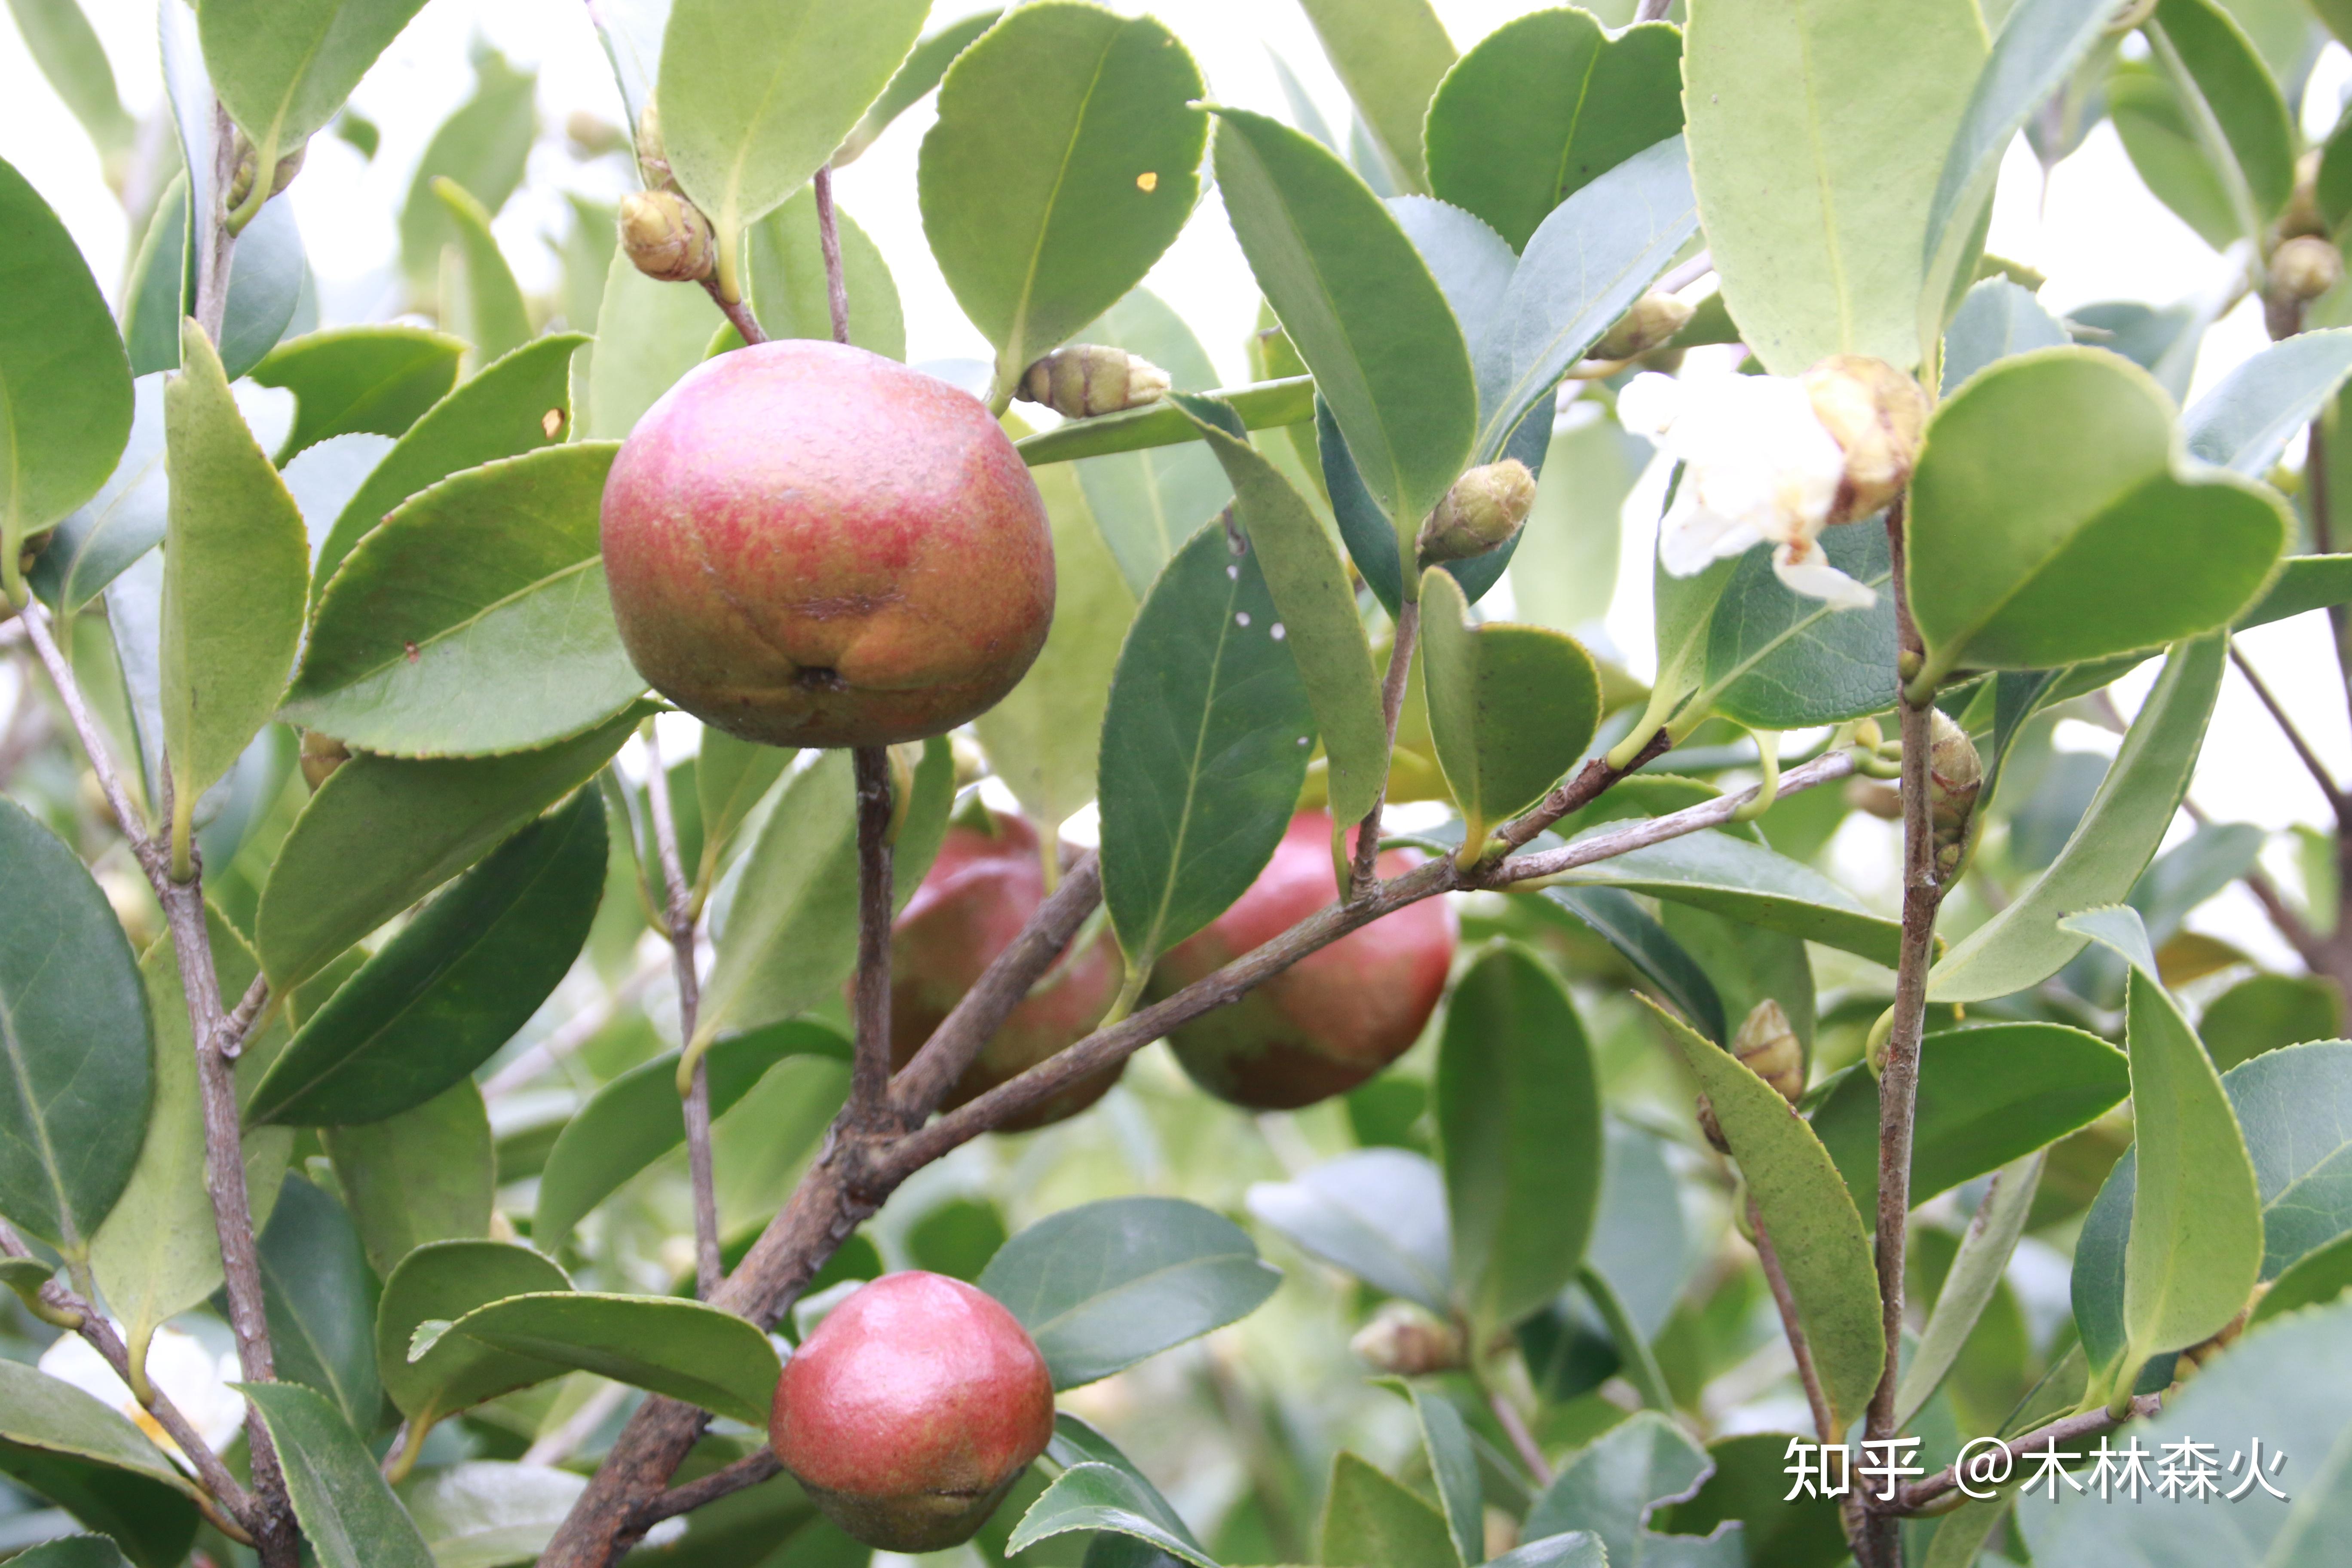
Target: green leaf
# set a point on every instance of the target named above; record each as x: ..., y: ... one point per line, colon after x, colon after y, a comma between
x: 76, y: 1039
x: 1108, y: 1284
x: 380, y: 379
x: 2194, y: 1246
x: 791, y: 935
x: 1518, y: 1117
x: 732, y: 777
x: 1263, y: 405
x: 1823, y: 1247
x: 452, y: 987
x: 1997, y: 320
x: 475, y: 620
x: 1616, y: 919
x: 348, y: 1514
x: 382, y: 833
x: 282, y: 68
x: 2062, y: 558
x: 1042, y: 220
x: 914, y: 80
x: 1610, y: 1487
x: 1372, y: 1521
x: 1745, y: 881
x: 64, y: 385
x: 752, y: 104
x: 682, y: 1348
x: 322, y: 1302
x: 1578, y: 1549
x: 2204, y: 122
x: 1391, y: 55
x: 154, y: 294
x: 2036, y: 51
x: 505, y: 409
x: 1988, y: 1094
x: 1041, y: 739
x: 439, y: 1283
x: 2248, y: 418
x: 1508, y: 143
x: 1336, y: 266
x: 1147, y: 503
x: 91, y: 1459
x: 126, y: 517
x: 1564, y: 572
x: 1970, y: 1283
x: 1378, y: 1214
x: 1749, y: 1488
x: 427, y: 1174
x: 2320, y: 1275
x: 483, y: 147
x: 1452, y: 1465
x: 1510, y: 708
x: 1204, y: 747
x: 67, y: 48
x: 2263, y: 1012
x: 636, y: 1119
x: 483, y: 1514
x: 1308, y: 581
x: 2022, y: 945
x: 648, y: 333
x: 788, y: 283
x: 73, y: 1551
x: 1597, y: 253
x: 2303, y: 583
x: 1778, y: 660
x: 1103, y: 1497
x: 480, y: 300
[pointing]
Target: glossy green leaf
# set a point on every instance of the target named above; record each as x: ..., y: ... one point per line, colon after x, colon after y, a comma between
x: 786, y: 275
x: 67, y: 48
x: 1778, y: 660
x: 2204, y: 122
x: 1816, y: 164
x: 914, y: 80
x: 1043, y: 739
x: 2195, y: 1245
x: 2036, y: 51
x: 1308, y: 581
x: 2118, y: 835
x: 476, y: 619
x: 1510, y: 708
x: 1750, y: 1491
x: 1262, y: 405
x: 2320, y: 1275
x: 1988, y: 1094
x: 1453, y: 1464
x: 1391, y: 55
x: 282, y: 69
x: 1997, y: 320
x: 636, y: 1119
x: 482, y: 146
x: 437, y: 1284
x: 1746, y: 965
x: 1380, y: 1213
x: 121, y: 522
x: 348, y: 1514
x: 155, y: 1525
x: 1108, y: 1284
x: 427, y: 1175
x: 648, y: 333
x: 1745, y: 881
x: 2249, y: 416
x: 483, y: 1514
x: 1611, y: 1486
x: 679, y: 1348
x: 382, y: 833
x: 1580, y: 1548
x: 1823, y: 1247
x: 1518, y: 1117
x: 73, y: 1551
x: 480, y: 300
x: 321, y: 1300
x: 1507, y: 142
x: 1114, y: 1498
x: 1205, y: 746
x: 64, y: 385
x: 76, y: 1039
x: 1372, y: 1522
x: 1334, y: 265
x: 380, y: 379
x: 154, y: 294
x: 2303, y: 583
x: 51, y: 1418
x: 1971, y: 1282
x: 1147, y: 503
x: 520, y: 403
x: 2263, y: 1012
x: 1616, y: 919
x: 456, y: 983
x: 730, y: 778
x: 791, y: 935
x: 267, y: 276
x: 1042, y: 220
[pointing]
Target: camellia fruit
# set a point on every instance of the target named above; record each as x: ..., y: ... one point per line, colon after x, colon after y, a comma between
x: 911, y: 1411
x: 977, y: 897
x: 812, y: 545
x: 1334, y: 1018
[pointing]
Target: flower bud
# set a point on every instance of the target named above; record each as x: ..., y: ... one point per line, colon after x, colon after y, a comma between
x: 1652, y: 321
x: 322, y: 755
x: 667, y: 236
x: 1483, y: 511
x: 240, y: 185
x: 1955, y: 774
x: 1408, y: 1341
x: 1767, y: 1043
x: 2304, y: 268
x: 653, y: 158
x: 1086, y: 380
x: 1877, y: 414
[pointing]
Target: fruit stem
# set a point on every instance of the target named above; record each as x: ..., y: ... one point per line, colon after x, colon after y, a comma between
x: 828, y: 238
x: 869, y: 1089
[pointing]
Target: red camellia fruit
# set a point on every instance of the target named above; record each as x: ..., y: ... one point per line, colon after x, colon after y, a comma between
x: 812, y: 545
x: 1335, y: 1017
x: 911, y: 1411
x: 976, y: 898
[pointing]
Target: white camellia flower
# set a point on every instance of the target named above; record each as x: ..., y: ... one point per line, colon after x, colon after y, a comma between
x: 1758, y: 464
x: 178, y: 1363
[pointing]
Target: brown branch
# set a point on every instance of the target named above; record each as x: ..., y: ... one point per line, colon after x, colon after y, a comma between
x: 1578, y: 790
x: 215, y: 244
x: 828, y: 238
x: 869, y: 1083
x: 2089, y: 1424
x: 127, y: 819
x: 679, y: 925
x: 753, y: 1468
x: 737, y: 313
x: 1652, y: 10
x: 1515, y: 1427
x: 1363, y: 868
x: 2336, y: 800
x: 1824, y: 1419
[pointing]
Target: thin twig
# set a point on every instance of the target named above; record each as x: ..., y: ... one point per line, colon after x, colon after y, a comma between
x: 2336, y: 800
x: 870, y: 1082
x: 828, y: 238
x: 1515, y: 1427
x: 1825, y: 1424
x: 678, y: 923
x: 34, y: 618
x: 737, y: 313
x: 2089, y: 1424
x: 758, y: 1466
x: 1690, y: 271
x: 215, y: 244
x: 1364, y: 868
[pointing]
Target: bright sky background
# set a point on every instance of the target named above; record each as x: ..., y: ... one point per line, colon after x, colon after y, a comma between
x: 2102, y: 237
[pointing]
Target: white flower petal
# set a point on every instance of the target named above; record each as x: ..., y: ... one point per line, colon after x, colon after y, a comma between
x: 178, y: 1363
x: 1692, y: 538
x: 1804, y: 568
x: 1650, y: 403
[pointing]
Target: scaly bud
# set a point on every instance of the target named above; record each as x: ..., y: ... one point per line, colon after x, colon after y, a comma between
x: 653, y: 158
x: 1084, y: 380
x: 2305, y: 266
x: 2194, y: 1359
x: 667, y: 236
x: 1955, y: 774
x: 1767, y: 1043
x: 1483, y: 511
x: 1408, y: 1341
x: 240, y: 185
x: 1877, y: 414
x: 1654, y: 320
x: 322, y: 755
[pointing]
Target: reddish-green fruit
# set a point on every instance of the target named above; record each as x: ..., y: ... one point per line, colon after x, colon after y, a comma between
x: 978, y: 894
x: 812, y: 545
x: 1335, y: 1017
x: 911, y: 1411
